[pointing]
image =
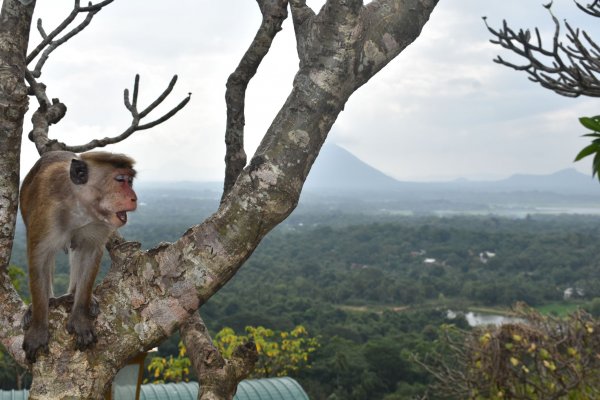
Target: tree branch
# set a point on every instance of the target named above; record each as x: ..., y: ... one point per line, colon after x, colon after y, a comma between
x: 592, y: 9
x: 48, y: 44
x: 48, y: 114
x: 218, y: 377
x: 569, y: 70
x: 274, y: 12
x: 149, y: 294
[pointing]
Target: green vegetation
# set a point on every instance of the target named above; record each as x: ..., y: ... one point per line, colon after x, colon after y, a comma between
x: 592, y: 123
x: 547, y: 358
x: 279, y: 353
x: 561, y: 309
x: 376, y: 293
x: 171, y: 368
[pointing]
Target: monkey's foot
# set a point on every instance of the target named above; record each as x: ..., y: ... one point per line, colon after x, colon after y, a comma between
x: 35, y: 339
x: 80, y: 325
x: 66, y: 301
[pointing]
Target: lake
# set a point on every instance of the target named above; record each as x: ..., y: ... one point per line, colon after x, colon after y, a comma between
x: 481, y: 319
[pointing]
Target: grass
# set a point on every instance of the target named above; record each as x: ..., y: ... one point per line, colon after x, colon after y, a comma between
x: 559, y: 309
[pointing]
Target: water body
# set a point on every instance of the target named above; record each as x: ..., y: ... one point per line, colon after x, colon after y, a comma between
x: 480, y: 319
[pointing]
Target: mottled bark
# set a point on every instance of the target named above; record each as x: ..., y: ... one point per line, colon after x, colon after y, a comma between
x: 218, y: 377
x: 274, y: 12
x: 147, y: 295
x: 15, y: 21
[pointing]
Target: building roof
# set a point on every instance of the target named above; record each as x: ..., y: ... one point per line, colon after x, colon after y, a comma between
x: 252, y: 389
x: 14, y: 394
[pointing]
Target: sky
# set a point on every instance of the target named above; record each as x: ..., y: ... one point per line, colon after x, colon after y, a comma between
x: 439, y: 111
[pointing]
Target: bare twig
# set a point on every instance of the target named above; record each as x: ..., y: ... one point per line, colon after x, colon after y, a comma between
x: 136, y: 117
x: 51, y: 112
x: 49, y: 44
x: 570, y: 70
x: 592, y: 9
x: 274, y: 13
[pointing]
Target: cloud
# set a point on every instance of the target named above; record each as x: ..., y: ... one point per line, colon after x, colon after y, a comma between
x: 441, y: 110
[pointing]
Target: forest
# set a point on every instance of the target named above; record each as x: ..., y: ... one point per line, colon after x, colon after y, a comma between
x: 375, y: 288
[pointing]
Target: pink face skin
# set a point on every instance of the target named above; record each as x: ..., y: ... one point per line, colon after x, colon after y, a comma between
x: 122, y: 198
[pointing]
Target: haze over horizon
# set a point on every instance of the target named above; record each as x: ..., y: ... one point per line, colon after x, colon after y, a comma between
x: 338, y: 169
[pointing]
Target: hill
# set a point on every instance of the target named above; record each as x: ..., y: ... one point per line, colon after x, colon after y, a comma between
x: 337, y: 169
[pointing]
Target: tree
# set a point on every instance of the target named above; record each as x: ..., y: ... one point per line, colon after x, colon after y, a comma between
x: 147, y: 295
x: 279, y: 353
x: 571, y: 69
x: 545, y: 358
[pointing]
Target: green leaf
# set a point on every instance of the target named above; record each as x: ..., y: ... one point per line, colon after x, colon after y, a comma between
x: 596, y: 166
x: 590, y: 123
x: 596, y: 135
x: 588, y: 150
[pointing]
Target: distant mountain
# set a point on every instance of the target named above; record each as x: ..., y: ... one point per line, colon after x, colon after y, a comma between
x: 338, y: 169
x: 567, y: 182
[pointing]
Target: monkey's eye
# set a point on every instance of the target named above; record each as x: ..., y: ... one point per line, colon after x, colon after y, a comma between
x: 124, y: 178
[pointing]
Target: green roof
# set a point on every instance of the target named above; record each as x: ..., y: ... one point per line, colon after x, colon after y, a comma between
x: 251, y: 389
x: 14, y: 394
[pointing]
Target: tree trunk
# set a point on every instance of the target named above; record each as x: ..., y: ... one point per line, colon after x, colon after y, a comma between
x: 15, y: 21
x: 147, y: 295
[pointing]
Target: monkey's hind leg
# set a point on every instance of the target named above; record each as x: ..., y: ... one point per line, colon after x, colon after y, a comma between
x: 85, y: 262
x: 35, y: 319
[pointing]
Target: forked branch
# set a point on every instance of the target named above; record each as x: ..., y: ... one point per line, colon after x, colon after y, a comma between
x: 571, y: 69
x: 219, y: 377
x: 592, y: 9
x: 52, y: 41
x: 137, y: 116
x: 274, y: 12
x: 48, y: 114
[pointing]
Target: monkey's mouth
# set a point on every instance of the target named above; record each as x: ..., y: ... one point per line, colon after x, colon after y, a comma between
x: 122, y: 215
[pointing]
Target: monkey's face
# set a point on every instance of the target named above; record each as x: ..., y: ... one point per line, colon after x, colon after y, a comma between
x: 120, y: 197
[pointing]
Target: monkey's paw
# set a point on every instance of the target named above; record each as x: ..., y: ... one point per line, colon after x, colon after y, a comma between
x: 81, y: 326
x: 67, y: 301
x: 35, y: 340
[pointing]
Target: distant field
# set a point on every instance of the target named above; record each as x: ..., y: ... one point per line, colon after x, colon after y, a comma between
x: 559, y: 309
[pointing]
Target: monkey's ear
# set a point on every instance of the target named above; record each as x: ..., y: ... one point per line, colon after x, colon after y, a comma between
x: 79, y: 172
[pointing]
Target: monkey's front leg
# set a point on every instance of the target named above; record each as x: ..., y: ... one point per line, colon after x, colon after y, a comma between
x: 85, y: 262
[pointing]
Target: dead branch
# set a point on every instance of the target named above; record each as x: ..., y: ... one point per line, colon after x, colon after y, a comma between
x: 49, y: 44
x: 592, y: 9
x: 218, y: 377
x: 569, y: 69
x: 137, y: 117
x: 274, y: 12
x: 48, y: 114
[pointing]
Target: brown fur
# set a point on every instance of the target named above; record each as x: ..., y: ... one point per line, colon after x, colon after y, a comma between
x: 61, y: 213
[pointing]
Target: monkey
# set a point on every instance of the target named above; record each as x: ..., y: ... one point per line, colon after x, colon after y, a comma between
x: 74, y: 203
